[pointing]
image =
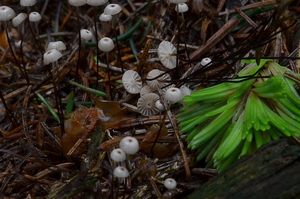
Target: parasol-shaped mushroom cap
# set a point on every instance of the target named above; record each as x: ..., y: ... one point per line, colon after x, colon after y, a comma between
x: 106, y: 44
x: 20, y: 18
x: 167, y: 54
x: 181, y: 7
x: 173, y: 95
x: 129, y: 145
x: 112, y: 9
x: 157, y: 79
x: 118, y: 155
x: 35, y: 17
x: 77, y: 3
x: 206, y: 61
x: 178, y: 1
x: 132, y: 82
x: 6, y: 13
x: 27, y: 3
x: 146, y: 104
x: 170, y: 183
x: 105, y: 17
x: 86, y: 35
x: 51, y: 56
x: 120, y: 172
x: 58, y: 45
x: 145, y: 89
x: 96, y: 2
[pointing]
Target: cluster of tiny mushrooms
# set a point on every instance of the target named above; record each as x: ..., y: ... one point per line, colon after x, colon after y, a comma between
x: 155, y: 96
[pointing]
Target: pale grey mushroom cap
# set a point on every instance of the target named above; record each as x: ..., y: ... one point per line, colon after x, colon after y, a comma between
x: 20, y: 18
x: 120, y: 172
x: 6, y: 13
x: 58, y: 45
x: 146, y: 104
x: 156, y: 79
x: 77, y: 3
x: 167, y: 54
x: 51, y: 56
x: 112, y: 9
x: 132, y: 82
x: 96, y: 2
x: 27, y: 3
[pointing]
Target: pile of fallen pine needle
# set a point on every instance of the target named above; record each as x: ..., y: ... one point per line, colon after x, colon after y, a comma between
x: 61, y: 117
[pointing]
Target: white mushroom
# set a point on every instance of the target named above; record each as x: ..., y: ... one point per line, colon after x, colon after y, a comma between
x: 96, y: 2
x: 178, y: 1
x: 86, y: 34
x: 129, y: 145
x: 145, y: 89
x: 205, y: 61
x: 120, y: 172
x: 146, y: 104
x: 35, y: 17
x: 132, y: 81
x: 27, y: 3
x: 112, y: 9
x: 173, y: 95
x: 105, y: 17
x: 51, y: 56
x: 159, y: 105
x: 58, y: 45
x: 118, y: 155
x: 20, y: 18
x: 157, y: 79
x: 77, y: 3
x: 170, y: 183
x: 185, y: 91
x: 6, y: 13
x: 181, y: 7
x: 167, y: 54
x: 106, y: 44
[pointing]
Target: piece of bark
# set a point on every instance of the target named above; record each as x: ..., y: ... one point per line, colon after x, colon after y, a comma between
x: 273, y: 172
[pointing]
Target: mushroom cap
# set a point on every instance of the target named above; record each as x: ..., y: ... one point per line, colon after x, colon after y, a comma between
x: 173, y: 95
x: 112, y: 9
x: 58, y: 45
x: 86, y: 34
x: 185, y: 90
x: 178, y: 1
x: 206, y: 61
x: 51, y: 56
x: 146, y: 104
x: 181, y: 7
x: 118, y: 155
x: 27, y: 3
x: 145, y: 89
x: 105, y: 17
x: 132, y: 82
x: 96, y: 2
x: 159, y: 105
x: 77, y: 3
x: 170, y: 183
x: 35, y: 17
x: 157, y: 79
x: 120, y: 172
x: 166, y: 53
x: 6, y: 13
x: 129, y: 145
x: 20, y: 18
x: 106, y: 44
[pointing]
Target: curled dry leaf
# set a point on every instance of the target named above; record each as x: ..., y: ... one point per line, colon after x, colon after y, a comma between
x: 81, y: 123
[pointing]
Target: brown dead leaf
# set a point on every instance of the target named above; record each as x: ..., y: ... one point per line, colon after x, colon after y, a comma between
x: 3, y: 40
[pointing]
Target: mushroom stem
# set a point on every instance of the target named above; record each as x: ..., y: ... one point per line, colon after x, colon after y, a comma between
x: 21, y: 67
x: 97, y: 52
x: 10, y: 115
x: 108, y: 74
x: 57, y: 95
x: 79, y: 41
